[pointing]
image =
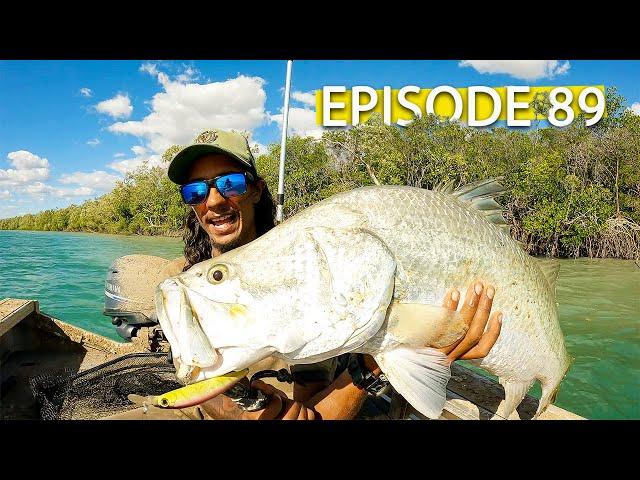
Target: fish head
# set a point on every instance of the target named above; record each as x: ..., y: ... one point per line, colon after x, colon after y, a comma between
x: 311, y: 292
x: 227, y: 313
x: 208, y: 319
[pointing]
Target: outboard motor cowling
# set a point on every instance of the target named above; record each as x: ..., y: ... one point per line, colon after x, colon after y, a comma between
x: 130, y: 290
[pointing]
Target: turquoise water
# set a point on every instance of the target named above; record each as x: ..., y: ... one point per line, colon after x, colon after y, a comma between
x: 599, y: 310
x: 600, y: 317
x: 65, y: 272
x: 599, y: 307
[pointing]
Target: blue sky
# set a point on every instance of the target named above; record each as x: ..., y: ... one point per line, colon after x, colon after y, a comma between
x: 70, y: 129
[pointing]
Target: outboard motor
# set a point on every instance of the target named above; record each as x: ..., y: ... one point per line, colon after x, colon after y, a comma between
x: 130, y: 290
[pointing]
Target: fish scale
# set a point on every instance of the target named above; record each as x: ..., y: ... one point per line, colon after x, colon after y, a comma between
x: 322, y: 276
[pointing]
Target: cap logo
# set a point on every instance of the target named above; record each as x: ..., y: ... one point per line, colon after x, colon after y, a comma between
x: 206, y: 137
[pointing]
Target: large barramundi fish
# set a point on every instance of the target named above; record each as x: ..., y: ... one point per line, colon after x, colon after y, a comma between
x: 366, y: 271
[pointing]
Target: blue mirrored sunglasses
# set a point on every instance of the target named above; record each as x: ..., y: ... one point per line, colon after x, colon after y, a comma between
x: 228, y: 185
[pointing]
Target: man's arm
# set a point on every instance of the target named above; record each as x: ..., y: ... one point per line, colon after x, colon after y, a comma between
x: 341, y: 400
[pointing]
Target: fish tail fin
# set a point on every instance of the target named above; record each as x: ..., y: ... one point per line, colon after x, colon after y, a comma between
x: 550, y: 389
x: 550, y: 267
x: 514, y: 392
x: 420, y: 375
x: 548, y: 397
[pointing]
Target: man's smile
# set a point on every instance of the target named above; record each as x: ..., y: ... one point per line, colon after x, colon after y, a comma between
x: 223, y: 224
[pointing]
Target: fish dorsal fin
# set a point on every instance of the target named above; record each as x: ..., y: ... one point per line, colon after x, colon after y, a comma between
x: 550, y: 267
x: 481, y: 196
x: 444, y: 187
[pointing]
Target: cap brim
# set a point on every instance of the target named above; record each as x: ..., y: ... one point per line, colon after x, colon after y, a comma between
x: 181, y: 164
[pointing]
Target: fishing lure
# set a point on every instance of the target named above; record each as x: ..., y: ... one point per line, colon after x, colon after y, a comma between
x: 192, y: 394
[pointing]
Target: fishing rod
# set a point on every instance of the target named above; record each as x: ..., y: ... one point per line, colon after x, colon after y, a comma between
x: 283, y: 144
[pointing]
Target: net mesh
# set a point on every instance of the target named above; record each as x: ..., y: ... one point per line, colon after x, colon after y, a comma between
x: 102, y: 391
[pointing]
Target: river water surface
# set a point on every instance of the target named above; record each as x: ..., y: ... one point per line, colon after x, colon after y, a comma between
x: 599, y: 307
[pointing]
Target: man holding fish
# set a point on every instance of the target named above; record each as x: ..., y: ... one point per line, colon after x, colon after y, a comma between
x: 231, y: 206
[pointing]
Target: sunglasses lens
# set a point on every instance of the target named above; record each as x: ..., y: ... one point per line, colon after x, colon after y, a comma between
x: 194, y: 193
x: 231, y: 185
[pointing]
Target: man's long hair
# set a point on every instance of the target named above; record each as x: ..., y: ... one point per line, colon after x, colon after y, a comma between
x: 197, y: 244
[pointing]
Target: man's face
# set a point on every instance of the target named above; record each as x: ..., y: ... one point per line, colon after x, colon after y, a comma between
x: 230, y: 222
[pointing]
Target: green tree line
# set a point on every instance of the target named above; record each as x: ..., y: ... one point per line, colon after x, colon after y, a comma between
x: 146, y: 202
x: 570, y: 192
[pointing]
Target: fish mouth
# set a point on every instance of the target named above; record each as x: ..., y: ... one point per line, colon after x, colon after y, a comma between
x: 192, y: 352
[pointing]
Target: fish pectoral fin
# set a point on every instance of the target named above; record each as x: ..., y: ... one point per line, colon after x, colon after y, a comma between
x: 425, y: 325
x: 420, y: 375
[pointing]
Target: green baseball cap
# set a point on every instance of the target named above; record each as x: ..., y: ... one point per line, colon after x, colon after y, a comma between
x: 233, y: 144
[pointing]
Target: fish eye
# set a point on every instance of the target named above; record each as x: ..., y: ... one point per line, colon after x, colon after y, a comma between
x: 217, y: 274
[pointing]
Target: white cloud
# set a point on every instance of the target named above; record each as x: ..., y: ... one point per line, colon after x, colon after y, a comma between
x: 8, y: 211
x: 125, y: 166
x: 635, y: 108
x: 41, y: 190
x: 30, y: 172
x: 131, y: 164
x: 86, y: 92
x: 38, y: 188
x: 149, y: 68
x: 302, y: 121
x: 560, y: 69
x: 523, y: 69
x: 93, y: 142
x: 119, y: 155
x: 76, y: 192
x: 258, y: 148
x: 29, y: 167
x: 152, y: 69
x: 117, y: 107
x: 138, y: 150
x: 23, y: 160
x: 13, y: 177
x: 141, y: 156
x: 97, y: 180
x: 189, y: 74
x: 183, y: 110
x: 308, y: 98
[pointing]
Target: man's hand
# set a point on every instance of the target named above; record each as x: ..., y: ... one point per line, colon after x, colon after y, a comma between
x: 279, y: 407
x: 476, y: 309
x: 476, y: 343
